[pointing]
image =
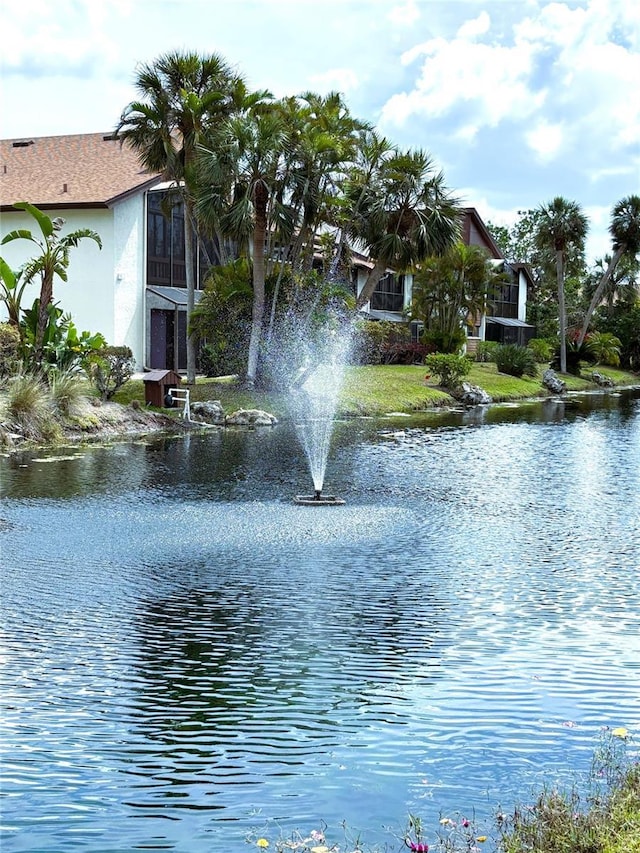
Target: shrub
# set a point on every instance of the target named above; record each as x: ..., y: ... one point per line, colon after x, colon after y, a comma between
x: 66, y: 391
x: 9, y: 350
x: 516, y: 360
x: 384, y: 342
x: 109, y: 369
x: 30, y: 408
x: 542, y: 350
x: 405, y: 353
x: 444, y: 342
x: 575, y: 355
x: 62, y: 347
x: 449, y: 368
x: 605, y: 348
x: 486, y: 351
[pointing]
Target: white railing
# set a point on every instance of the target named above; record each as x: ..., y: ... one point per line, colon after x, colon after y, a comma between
x: 181, y: 395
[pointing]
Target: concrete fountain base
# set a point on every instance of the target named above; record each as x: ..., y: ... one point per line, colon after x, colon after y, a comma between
x: 318, y: 499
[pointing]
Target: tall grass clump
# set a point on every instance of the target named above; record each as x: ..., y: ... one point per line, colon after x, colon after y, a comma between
x: 67, y: 392
x: 602, y: 818
x: 30, y: 408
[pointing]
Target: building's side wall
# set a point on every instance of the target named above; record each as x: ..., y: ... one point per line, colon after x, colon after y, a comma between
x: 129, y: 276
x: 105, y: 288
x: 88, y: 293
x: 522, y: 296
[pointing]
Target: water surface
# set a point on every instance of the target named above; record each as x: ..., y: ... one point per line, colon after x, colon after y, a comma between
x: 192, y: 661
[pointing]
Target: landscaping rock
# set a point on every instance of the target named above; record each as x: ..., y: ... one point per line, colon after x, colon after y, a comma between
x: 472, y: 395
x: 251, y: 418
x: 208, y: 412
x: 602, y: 380
x: 551, y: 381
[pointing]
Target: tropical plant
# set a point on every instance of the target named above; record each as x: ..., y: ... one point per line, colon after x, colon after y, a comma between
x: 542, y: 350
x: 182, y: 95
x: 450, y: 289
x: 486, y: 351
x: 624, y: 322
x: 52, y: 261
x: 400, y: 210
x: 625, y: 233
x: 12, y: 290
x: 62, y: 347
x: 516, y: 360
x: 241, y: 187
x: 561, y: 227
x: 575, y: 354
x: 519, y: 243
x: 449, y: 368
x: 605, y: 348
x: 109, y: 368
x: 222, y: 319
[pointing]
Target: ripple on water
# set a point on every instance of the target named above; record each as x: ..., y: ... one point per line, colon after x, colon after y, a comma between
x: 459, y: 630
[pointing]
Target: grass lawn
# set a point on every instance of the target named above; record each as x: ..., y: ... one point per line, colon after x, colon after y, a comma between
x: 378, y: 389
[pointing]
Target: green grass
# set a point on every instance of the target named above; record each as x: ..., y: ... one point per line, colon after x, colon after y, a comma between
x: 374, y: 390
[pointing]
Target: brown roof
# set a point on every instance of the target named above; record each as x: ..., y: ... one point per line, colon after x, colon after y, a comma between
x: 84, y: 170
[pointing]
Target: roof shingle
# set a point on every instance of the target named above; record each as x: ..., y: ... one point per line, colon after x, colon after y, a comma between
x: 88, y: 169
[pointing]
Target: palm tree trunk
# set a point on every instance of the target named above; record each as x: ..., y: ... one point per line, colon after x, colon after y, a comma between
x: 597, y: 296
x: 189, y: 274
x: 370, y: 284
x: 259, y: 234
x: 46, y: 297
x: 562, y: 314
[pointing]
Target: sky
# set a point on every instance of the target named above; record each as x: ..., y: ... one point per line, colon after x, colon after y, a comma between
x: 517, y: 101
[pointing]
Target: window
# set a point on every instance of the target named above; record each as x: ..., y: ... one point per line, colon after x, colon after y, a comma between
x: 165, y: 246
x: 389, y: 294
x: 505, y: 301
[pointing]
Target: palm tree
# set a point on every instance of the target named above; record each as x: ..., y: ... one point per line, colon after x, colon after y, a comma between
x: 451, y: 288
x: 625, y: 233
x: 561, y: 227
x: 240, y: 182
x: 182, y: 95
x: 404, y: 214
x: 52, y: 261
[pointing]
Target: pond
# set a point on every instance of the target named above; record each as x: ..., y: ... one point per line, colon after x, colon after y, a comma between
x: 192, y: 662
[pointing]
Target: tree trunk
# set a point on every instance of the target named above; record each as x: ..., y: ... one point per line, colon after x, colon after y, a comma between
x: 257, y: 315
x: 370, y: 284
x: 562, y: 316
x: 189, y: 275
x: 46, y: 297
x: 597, y: 296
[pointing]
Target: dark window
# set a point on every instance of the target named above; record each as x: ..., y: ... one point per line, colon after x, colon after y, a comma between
x: 389, y: 294
x: 165, y: 245
x: 505, y: 301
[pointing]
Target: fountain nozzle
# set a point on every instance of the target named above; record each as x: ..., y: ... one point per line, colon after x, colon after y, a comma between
x: 317, y: 494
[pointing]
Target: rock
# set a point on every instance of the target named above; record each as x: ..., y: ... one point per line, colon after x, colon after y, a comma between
x: 551, y: 381
x: 208, y: 412
x: 602, y: 380
x: 472, y: 395
x: 251, y: 418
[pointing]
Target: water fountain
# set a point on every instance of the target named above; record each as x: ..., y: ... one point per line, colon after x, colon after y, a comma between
x: 314, y: 398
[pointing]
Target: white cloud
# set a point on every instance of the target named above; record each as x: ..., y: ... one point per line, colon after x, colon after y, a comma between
x: 404, y: 15
x: 491, y: 82
x: 545, y: 140
x: 336, y: 79
x: 476, y: 27
x: 41, y: 38
x: 563, y: 65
